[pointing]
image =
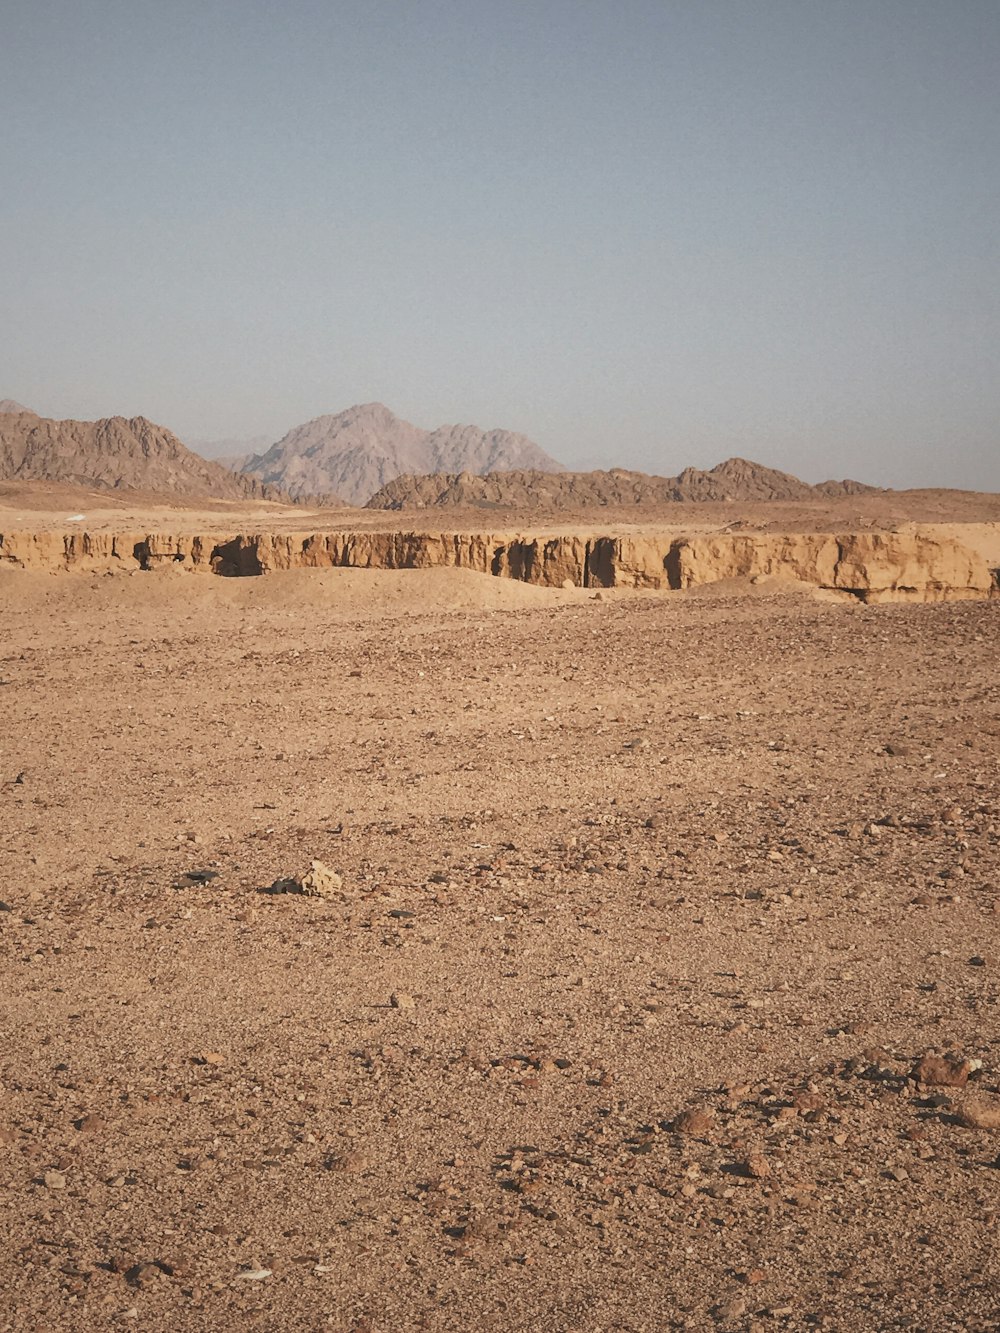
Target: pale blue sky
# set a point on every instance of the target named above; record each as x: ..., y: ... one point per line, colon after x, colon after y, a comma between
x: 645, y: 234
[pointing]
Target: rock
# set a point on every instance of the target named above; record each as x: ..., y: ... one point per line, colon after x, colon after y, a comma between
x: 980, y: 1114
x: 200, y: 876
x: 757, y: 1166
x: 977, y: 960
x: 694, y: 1122
x: 54, y: 1180
x: 401, y: 1000
x: 939, y: 1071
x: 352, y: 1163
x: 91, y: 1124
x: 732, y: 1310
x: 252, y: 1275
x: 899, y: 749
x: 804, y: 1102
x: 319, y: 881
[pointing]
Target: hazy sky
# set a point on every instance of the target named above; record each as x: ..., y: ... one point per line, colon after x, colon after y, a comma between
x: 643, y: 233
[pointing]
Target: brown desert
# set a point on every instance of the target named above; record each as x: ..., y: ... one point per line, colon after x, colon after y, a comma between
x: 586, y: 920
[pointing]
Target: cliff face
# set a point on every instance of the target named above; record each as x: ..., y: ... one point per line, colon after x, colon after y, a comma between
x: 874, y: 567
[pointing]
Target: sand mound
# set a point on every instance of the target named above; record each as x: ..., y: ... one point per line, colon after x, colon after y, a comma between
x: 356, y: 593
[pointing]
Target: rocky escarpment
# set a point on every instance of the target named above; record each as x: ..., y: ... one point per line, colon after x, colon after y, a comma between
x: 871, y: 566
x: 735, y: 480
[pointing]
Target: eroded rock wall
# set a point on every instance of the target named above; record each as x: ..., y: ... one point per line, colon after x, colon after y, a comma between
x: 873, y: 566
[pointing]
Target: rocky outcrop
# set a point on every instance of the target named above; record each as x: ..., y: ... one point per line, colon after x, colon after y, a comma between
x: 735, y: 480
x: 871, y: 566
x: 117, y: 453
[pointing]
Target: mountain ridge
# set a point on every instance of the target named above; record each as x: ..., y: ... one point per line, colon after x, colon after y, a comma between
x: 116, y: 453
x: 356, y: 452
x: 734, y: 480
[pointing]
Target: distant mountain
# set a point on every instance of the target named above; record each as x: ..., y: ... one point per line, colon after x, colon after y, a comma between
x: 7, y: 405
x: 118, y: 453
x: 356, y: 452
x: 737, y: 479
x: 232, y: 453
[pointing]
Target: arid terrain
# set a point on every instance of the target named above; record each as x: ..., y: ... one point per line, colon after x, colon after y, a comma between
x: 654, y: 984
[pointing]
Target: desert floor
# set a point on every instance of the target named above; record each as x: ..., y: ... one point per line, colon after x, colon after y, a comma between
x: 606, y: 860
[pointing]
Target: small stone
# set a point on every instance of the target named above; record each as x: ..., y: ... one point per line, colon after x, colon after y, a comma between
x: 757, y: 1166
x: 319, y: 881
x: 980, y: 1115
x: 732, y: 1310
x: 938, y: 1071
x: 352, y: 1163
x: 91, y: 1124
x: 804, y: 1102
x: 54, y: 1180
x: 401, y: 1000
x: 694, y: 1122
x: 252, y: 1275
x: 977, y: 960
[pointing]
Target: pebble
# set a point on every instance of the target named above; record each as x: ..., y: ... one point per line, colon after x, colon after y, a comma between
x: 980, y: 1115
x: 938, y: 1071
x: 757, y: 1166
x: 91, y: 1124
x: 401, y: 1000
x: 694, y: 1122
x: 54, y: 1180
x: 319, y: 881
x: 733, y: 1309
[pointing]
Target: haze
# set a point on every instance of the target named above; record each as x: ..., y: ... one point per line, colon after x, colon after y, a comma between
x: 650, y: 235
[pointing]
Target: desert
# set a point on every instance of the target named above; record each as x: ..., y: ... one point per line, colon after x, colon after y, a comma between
x: 500, y: 667
x: 417, y: 947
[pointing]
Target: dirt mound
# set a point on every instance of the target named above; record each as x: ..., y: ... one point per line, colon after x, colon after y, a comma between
x: 356, y: 452
x: 737, y: 479
x: 116, y: 453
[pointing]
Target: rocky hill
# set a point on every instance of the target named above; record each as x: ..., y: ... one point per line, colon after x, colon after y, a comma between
x: 9, y: 407
x: 117, y: 453
x: 737, y: 479
x: 356, y: 452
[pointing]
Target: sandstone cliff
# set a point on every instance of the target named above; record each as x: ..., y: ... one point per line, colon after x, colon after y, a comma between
x: 873, y: 567
x: 356, y: 452
x: 737, y: 479
x: 119, y: 453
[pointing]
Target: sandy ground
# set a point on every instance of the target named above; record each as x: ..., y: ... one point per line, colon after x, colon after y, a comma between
x: 43, y: 506
x: 605, y: 861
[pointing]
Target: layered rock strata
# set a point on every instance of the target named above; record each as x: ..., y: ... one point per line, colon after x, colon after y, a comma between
x: 872, y: 566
